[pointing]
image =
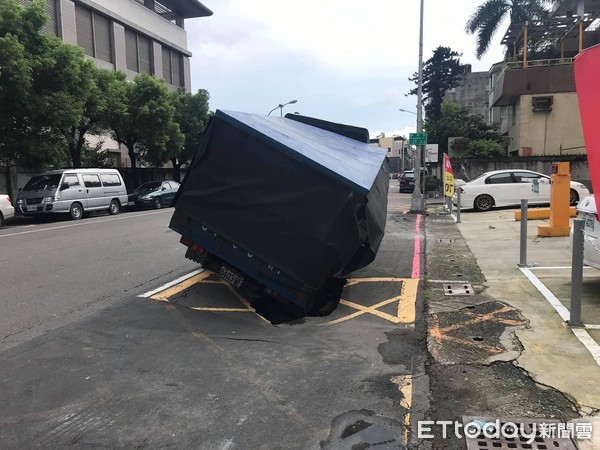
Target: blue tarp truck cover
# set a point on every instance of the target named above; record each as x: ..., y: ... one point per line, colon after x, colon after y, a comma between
x: 290, y: 201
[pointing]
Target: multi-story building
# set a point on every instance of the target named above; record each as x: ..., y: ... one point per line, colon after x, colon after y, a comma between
x: 471, y: 91
x: 133, y: 36
x: 535, y: 90
x: 395, y: 150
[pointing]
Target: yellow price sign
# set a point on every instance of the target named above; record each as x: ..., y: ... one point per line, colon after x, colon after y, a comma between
x: 448, y: 177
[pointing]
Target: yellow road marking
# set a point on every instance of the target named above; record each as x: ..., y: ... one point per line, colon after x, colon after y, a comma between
x: 207, y: 308
x: 367, y: 309
x: 405, y: 383
x: 164, y: 295
x: 408, y: 300
x: 244, y: 301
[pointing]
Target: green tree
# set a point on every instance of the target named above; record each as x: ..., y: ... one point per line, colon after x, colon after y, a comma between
x: 192, y: 114
x: 142, y: 119
x: 42, y: 81
x: 486, y: 18
x: 98, y: 106
x: 456, y: 120
x: 484, y: 149
x: 440, y: 74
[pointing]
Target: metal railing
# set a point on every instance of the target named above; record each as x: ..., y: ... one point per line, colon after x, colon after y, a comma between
x: 512, y: 65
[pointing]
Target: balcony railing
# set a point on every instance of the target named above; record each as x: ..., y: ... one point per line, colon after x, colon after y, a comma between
x: 162, y: 11
x: 512, y: 65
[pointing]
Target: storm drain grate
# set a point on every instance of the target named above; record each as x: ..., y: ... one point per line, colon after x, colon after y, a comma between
x: 508, y: 434
x: 445, y: 241
x: 458, y: 289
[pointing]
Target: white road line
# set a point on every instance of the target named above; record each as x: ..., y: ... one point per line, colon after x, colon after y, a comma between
x: 555, y: 302
x: 171, y: 283
x: 592, y: 327
x: 84, y: 222
x: 589, y: 343
x: 556, y: 267
x: 564, y: 313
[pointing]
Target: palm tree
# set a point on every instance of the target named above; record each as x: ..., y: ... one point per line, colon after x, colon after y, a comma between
x: 487, y: 17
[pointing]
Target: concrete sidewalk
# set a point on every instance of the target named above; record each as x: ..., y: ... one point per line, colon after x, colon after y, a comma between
x: 536, y: 338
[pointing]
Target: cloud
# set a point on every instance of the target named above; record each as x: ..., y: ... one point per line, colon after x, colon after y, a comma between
x: 343, y: 60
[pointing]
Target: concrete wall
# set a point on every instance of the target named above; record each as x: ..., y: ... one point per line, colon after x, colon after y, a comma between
x: 472, y: 92
x: 546, y: 133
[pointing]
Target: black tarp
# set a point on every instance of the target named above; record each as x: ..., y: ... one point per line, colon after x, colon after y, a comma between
x: 308, y: 201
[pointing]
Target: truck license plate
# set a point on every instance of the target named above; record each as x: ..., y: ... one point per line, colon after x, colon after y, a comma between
x: 231, y: 277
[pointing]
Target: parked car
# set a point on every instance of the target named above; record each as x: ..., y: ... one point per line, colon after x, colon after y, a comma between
x: 6, y: 209
x: 154, y: 194
x: 406, y: 180
x: 507, y: 188
x: 73, y: 192
x: 588, y: 211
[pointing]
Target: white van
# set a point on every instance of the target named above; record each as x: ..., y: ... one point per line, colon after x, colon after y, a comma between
x: 72, y: 191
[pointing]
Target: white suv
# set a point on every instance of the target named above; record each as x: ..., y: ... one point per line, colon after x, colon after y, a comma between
x: 6, y: 209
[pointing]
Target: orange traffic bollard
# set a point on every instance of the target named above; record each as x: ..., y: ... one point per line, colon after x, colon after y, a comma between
x: 559, y: 202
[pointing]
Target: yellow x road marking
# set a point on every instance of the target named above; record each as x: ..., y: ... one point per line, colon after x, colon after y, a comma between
x: 406, y: 302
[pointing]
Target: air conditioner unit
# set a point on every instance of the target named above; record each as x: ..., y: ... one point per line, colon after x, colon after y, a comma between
x: 542, y: 104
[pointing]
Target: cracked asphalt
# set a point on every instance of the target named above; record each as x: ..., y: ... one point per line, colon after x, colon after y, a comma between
x: 473, y: 343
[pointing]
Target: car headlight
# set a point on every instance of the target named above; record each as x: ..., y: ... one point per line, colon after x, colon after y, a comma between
x: 20, y: 202
x: 145, y: 197
x: 51, y: 199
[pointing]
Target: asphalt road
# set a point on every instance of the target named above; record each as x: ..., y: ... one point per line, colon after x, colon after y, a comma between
x: 58, y: 272
x: 88, y: 363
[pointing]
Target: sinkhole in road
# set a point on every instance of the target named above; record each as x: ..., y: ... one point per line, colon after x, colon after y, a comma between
x: 279, y: 311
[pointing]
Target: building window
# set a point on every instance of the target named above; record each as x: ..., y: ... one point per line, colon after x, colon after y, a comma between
x: 94, y: 33
x: 138, y: 52
x: 50, y: 27
x: 172, y: 66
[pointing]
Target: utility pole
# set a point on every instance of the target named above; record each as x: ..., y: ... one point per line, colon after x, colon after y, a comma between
x: 416, y: 203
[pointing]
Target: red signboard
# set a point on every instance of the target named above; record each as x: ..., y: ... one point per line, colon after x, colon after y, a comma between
x: 587, y: 70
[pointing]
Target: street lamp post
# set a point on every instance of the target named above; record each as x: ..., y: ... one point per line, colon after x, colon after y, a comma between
x: 416, y: 203
x: 280, y: 106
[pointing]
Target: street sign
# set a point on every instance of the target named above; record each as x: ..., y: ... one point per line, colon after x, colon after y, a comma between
x: 417, y: 138
x: 431, y: 153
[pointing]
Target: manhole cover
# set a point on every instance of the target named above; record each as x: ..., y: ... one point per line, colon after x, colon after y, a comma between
x: 445, y: 241
x: 491, y: 433
x: 458, y: 289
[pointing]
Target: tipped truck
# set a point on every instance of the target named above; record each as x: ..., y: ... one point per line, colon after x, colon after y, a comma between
x: 283, y: 207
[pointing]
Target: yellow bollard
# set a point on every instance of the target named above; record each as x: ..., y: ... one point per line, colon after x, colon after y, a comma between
x: 559, y: 202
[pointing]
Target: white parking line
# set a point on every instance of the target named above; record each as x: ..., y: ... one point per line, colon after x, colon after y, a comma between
x: 581, y: 333
x: 171, y: 283
x: 84, y: 222
x: 555, y: 302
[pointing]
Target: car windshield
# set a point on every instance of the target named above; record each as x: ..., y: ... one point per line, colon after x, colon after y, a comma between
x: 42, y: 182
x: 480, y: 176
x: 409, y: 175
x: 148, y: 187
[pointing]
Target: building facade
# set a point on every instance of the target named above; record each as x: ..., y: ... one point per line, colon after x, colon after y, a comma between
x: 532, y: 94
x: 471, y: 92
x: 133, y: 36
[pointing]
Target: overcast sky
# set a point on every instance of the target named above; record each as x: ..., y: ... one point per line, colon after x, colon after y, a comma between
x: 346, y: 61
